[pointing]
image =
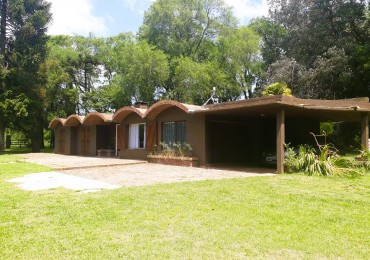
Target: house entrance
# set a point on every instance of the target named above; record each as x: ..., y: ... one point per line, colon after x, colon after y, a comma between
x: 85, y: 140
x: 62, y: 136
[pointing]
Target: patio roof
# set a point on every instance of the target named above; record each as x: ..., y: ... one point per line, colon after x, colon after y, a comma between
x: 335, y: 110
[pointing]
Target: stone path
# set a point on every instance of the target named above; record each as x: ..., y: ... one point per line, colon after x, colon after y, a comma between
x: 149, y: 174
x: 126, y: 173
x: 67, y: 162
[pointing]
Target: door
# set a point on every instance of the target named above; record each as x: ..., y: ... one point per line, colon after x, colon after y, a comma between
x: 151, y: 136
x: 62, y: 141
x: 85, y: 141
x: 121, y: 138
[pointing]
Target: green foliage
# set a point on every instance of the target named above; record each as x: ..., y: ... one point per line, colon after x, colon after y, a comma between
x: 219, y: 219
x: 317, y: 48
x: 327, y: 128
x: 272, y: 35
x: 142, y: 71
x: 174, y: 150
x: 279, y: 88
x: 25, y: 50
x: 325, y: 163
x: 239, y: 58
x: 308, y: 162
x: 194, y: 81
x: 186, y: 28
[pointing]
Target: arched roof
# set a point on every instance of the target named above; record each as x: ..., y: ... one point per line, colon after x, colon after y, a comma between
x: 56, y: 122
x: 123, y: 112
x: 74, y: 120
x: 162, y: 105
x: 96, y: 118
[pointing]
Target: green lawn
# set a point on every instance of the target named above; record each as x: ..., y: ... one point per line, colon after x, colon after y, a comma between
x: 286, y: 216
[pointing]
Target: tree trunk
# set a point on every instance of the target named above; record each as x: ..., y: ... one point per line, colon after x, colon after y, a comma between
x: 36, y: 137
x: 42, y: 142
x: 4, y: 14
x: 2, y: 135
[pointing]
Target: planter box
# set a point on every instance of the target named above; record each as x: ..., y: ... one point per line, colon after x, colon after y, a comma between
x: 177, y: 161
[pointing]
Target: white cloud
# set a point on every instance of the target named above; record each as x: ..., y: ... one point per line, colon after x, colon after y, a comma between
x: 130, y: 3
x: 248, y: 9
x: 75, y: 17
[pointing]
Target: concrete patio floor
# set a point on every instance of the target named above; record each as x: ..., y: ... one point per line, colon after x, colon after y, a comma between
x: 126, y: 173
x: 67, y: 162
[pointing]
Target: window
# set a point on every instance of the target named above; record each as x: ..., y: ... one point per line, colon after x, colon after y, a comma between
x: 174, y: 132
x: 136, y: 136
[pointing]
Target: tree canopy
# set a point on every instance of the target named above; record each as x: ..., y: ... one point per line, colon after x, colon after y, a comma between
x: 23, y: 49
x: 184, y: 50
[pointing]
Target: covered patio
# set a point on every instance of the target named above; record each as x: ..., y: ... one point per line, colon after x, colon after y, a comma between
x: 239, y: 132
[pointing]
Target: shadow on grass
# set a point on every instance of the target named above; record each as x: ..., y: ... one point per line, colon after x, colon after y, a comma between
x: 20, y: 150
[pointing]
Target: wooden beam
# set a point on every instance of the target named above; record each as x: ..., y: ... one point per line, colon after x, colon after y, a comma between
x: 280, y: 140
x: 365, y: 130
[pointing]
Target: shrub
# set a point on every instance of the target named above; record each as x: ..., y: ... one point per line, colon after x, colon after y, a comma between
x: 173, y: 150
x: 279, y: 88
x: 326, y: 163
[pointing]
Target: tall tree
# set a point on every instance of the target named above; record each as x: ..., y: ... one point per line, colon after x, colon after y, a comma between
x: 326, y: 45
x: 186, y: 28
x: 141, y: 72
x: 3, y: 13
x: 24, y: 24
x: 240, y: 59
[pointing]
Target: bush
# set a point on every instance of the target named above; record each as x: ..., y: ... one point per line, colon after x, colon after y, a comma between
x: 326, y: 163
x: 279, y: 88
x: 174, y: 150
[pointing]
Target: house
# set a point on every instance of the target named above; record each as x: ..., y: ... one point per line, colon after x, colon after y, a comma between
x: 231, y: 132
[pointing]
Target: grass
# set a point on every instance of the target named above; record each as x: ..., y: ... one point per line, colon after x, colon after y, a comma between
x: 285, y: 216
x: 9, y: 158
x: 19, y: 150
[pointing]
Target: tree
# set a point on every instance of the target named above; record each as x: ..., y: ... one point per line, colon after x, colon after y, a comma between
x: 75, y: 71
x: 141, y: 72
x: 240, y: 59
x: 280, y: 88
x: 186, y: 28
x: 23, y: 49
x: 326, y: 45
x: 194, y: 82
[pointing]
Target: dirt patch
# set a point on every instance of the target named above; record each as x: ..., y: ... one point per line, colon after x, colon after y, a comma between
x: 122, y: 172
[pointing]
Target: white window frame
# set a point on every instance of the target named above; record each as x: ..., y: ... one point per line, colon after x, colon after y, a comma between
x: 134, y: 138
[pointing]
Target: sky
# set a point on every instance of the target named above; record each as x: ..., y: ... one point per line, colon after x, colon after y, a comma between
x: 105, y: 18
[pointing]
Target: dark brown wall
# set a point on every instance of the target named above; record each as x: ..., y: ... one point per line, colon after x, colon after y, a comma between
x: 238, y: 141
x: 244, y: 140
x: 195, y: 129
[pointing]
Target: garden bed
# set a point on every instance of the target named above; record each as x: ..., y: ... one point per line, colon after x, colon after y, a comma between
x: 173, y: 160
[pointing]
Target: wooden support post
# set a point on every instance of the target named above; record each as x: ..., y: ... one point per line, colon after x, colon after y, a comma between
x: 280, y: 140
x: 365, y: 130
